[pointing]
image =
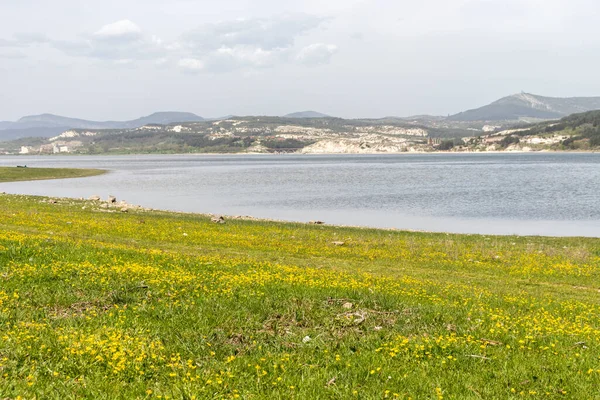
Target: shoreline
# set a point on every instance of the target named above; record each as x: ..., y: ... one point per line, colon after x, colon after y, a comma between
x: 105, y: 206
x: 309, y: 154
x: 401, y: 221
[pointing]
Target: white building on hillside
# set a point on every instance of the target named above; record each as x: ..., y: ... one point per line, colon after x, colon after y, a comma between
x: 59, y: 149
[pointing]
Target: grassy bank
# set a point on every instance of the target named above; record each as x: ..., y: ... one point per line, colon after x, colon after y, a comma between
x: 13, y: 174
x: 95, y: 304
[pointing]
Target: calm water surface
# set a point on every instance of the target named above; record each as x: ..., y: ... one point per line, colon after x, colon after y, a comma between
x: 533, y: 194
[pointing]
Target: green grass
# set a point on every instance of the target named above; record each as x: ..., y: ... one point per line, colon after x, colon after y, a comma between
x: 13, y: 174
x: 97, y: 304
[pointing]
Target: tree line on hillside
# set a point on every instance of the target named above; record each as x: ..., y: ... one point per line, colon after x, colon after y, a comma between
x: 583, y: 130
x: 186, y: 142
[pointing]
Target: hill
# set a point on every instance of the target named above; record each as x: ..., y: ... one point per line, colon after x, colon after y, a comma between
x: 12, y: 134
x: 525, y: 106
x: 307, y: 131
x: 163, y: 118
x: 574, y: 132
x: 306, y: 114
x: 51, y: 120
x: 580, y: 132
x: 47, y: 125
x: 246, y: 134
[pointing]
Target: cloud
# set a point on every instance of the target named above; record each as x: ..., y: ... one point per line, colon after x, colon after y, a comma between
x: 316, y: 54
x: 253, y: 43
x: 243, y: 57
x: 31, y: 38
x: 191, y: 64
x: 124, y: 61
x: 24, y: 40
x: 228, y: 59
x: 264, y: 33
x: 213, y: 47
x: 12, y: 55
x: 124, y: 29
x: 119, y: 42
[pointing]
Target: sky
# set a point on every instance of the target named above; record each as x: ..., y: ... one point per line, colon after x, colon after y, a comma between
x: 121, y: 59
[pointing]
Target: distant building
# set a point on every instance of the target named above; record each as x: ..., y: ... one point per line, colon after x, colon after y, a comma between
x: 59, y: 148
x: 46, y: 148
x: 24, y: 150
x: 491, y: 128
x: 493, y: 139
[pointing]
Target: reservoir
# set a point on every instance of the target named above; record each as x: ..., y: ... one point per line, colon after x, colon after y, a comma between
x: 554, y: 194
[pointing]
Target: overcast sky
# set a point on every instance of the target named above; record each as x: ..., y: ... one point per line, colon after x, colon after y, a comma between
x: 120, y: 59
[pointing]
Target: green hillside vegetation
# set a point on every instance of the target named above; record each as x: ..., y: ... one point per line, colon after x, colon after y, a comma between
x: 583, y: 131
x: 164, y: 142
x: 280, y: 134
x: 185, y: 142
x: 237, y: 134
x: 585, y: 128
x: 15, y: 145
x: 286, y: 144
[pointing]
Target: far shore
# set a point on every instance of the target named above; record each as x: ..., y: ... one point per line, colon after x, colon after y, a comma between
x: 545, y: 151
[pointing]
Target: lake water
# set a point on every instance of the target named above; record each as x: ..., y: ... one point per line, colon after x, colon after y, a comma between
x: 527, y: 194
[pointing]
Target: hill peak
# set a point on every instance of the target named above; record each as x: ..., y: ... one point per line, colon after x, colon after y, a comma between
x: 40, y: 117
x: 166, y: 117
x: 528, y: 106
x: 306, y: 114
x: 45, y: 125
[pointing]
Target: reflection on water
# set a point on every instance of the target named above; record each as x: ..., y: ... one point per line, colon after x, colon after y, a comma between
x: 542, y: 193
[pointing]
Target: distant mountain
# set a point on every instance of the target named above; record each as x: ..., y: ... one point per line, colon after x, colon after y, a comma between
x: 47, y: 125
x: 12, y: 134
x: 229, y: 116
x: 51, y: 121
x: 163, y: 118
x: 508, y: 111
x: 306, y: 114
x: 528, y: 106
x: 262, y: 134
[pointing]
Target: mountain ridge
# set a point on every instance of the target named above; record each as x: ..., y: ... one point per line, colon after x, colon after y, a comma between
x: 523, y: 105
x: 157, y: 117
x: 509, y: 110
x: 40, y: 125
x: 306, y: 114
x: 263, y: 134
